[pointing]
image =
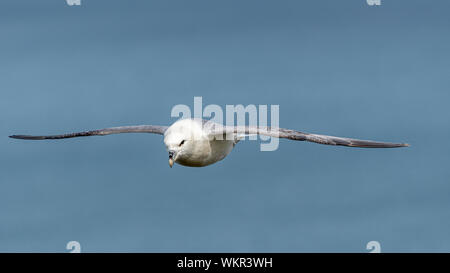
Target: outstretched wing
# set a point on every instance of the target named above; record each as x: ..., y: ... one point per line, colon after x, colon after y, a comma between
x: 301, y: 136
x: 102, y: 132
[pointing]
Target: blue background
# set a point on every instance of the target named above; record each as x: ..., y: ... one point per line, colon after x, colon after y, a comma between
x: 335, y: 67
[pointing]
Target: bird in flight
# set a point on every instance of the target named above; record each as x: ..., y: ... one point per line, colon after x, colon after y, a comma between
x: 199, y: 143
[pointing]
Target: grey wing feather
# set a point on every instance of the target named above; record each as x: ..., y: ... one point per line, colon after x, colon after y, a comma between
x: 301, y: 136
x: 101, y: 132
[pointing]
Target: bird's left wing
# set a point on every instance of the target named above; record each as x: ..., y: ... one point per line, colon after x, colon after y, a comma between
x: 153, y: 129
x: 301, y: 136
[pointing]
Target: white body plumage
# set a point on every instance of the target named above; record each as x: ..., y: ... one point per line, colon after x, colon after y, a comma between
x: 191, y: 144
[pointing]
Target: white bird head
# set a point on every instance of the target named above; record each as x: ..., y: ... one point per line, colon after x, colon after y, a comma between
x: 179, y: 139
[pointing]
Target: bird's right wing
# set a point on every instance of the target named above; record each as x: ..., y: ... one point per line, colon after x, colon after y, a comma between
x: 153, y: 129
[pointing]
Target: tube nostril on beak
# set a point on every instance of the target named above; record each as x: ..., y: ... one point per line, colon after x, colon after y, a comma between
x: 171, y: 157
x: 171, y: 153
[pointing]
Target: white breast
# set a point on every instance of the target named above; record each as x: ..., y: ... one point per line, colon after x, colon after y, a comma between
x: 205, y: 152
x: 200, y: 150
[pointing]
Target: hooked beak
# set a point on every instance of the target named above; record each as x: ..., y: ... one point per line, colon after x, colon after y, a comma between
x: 171, y: 155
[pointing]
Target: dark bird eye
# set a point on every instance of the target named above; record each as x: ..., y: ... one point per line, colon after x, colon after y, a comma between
x: 182, y: 142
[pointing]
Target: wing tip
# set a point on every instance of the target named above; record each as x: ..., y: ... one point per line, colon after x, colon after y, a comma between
x: 25, y: 137
x: 398, y: 145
